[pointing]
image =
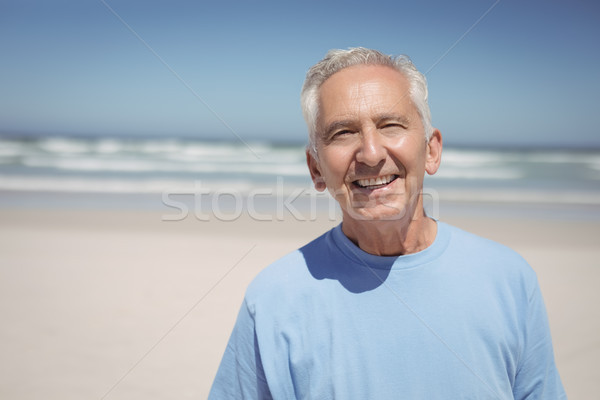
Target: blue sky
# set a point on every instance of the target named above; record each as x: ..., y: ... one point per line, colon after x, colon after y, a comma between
x: 527, y: 74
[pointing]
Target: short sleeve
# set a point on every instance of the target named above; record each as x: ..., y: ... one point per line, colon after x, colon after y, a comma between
x: 537, y: 376
x: 240, y: 374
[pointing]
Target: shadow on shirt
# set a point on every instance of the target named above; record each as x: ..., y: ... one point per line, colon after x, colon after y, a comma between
x: 345, y: 264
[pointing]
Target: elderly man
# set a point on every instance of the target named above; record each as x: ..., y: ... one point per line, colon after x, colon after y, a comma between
x: 391, y: 304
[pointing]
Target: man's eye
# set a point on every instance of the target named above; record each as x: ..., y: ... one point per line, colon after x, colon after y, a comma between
x: 392, y: 128
x: 341, y: 133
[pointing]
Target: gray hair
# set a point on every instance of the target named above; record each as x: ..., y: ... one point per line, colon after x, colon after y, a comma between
x: 336, y: 60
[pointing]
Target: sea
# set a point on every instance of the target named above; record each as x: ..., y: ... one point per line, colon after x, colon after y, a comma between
x: 168, y: 173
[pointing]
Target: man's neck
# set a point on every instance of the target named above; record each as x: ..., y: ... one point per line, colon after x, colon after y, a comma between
x: 392, y: 237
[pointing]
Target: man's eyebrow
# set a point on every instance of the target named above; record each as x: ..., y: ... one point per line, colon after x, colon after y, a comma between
x: 392, y: 117
x: 335, y: 125
x: 341, y: 124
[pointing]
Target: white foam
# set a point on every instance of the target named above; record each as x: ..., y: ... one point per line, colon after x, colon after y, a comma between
x: 595, y: 166
x: 473, y: 157
x: 90, y: 163
x: 82, y: 185
x: 521, y: 196
x: 481, y: 174
x: 139, y: 165
x: 64, y: 146
x: 96, y: 164
x: 562, y: 157
x: 9, y: 148
x: 159, y: 146
x: 155, y: 186
x: 464, y: 157
x: 109, y: 146
x: 241, y: 187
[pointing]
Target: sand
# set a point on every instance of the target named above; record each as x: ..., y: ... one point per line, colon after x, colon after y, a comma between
x: 122, y: 305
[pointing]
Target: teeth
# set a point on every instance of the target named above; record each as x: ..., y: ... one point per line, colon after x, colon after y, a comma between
x: 380, y: 180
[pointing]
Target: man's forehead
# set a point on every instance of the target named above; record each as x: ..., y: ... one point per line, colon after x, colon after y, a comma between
x: 357, y: 74
x: 375, y: 89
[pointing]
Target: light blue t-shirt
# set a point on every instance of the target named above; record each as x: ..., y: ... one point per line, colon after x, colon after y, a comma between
x: 462, y: 319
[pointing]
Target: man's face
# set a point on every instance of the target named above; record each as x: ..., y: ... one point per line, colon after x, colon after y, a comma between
x: 371, y: 146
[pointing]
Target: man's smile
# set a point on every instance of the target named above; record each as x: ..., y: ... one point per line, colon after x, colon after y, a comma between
x: 376, y: 182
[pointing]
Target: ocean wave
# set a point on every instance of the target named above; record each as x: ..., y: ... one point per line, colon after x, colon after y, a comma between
x: 81, y: 164
x: 129, y: 159
x: 156, y: 186
x: 474, y: 158
x: 64, y: 146
x: 279, y: 187
x: 481, y: 174
x: 522, y: 196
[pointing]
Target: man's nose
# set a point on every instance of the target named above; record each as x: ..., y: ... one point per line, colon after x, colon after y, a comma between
x: 372, y: 150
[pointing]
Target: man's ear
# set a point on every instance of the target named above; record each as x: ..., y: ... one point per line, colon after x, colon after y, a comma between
x: 315, y: 172
x: 434, y: 152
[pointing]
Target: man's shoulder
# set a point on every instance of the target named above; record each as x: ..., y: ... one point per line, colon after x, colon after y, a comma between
x: 476, y: 242
x: 286, y: 274
x: 281, y: 270
x: 486, y: 252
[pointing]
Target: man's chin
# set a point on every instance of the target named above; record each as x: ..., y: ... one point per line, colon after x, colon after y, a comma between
x: 376, y: 213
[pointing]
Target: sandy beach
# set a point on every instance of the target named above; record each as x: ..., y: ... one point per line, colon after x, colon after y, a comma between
x: 110, y: 304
